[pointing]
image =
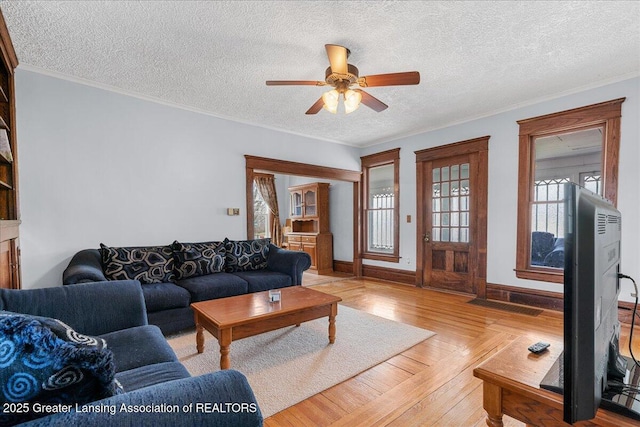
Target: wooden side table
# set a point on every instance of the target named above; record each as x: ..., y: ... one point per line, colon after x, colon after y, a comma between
x: 511, y: 386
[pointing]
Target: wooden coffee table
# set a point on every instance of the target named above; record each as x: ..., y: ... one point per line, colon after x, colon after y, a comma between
x: 234, y: 318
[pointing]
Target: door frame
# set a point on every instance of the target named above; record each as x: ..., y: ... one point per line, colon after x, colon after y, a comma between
x: 480, y: 148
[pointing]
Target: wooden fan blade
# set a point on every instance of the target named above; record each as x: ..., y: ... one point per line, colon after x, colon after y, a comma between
x: 391, y: 79
x: 372, y: 102
x: 295, y: 83
x: 316, y: 107
x: 337, y: 58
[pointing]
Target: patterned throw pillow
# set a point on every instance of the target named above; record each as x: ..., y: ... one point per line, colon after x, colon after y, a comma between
x: 246, y: 255
x: 148, y: 264
x: 197, y: 259
x: 44, y: 360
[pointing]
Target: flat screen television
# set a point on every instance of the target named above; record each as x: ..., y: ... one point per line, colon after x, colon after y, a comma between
x: 591, y: 372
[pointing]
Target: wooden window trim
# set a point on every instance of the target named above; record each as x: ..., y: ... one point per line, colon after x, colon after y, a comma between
x: 606, y: 115
x: 380, y: 159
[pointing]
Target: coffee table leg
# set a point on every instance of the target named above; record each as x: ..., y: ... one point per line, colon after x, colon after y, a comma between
x: 492, y: 402
x: 225, y: 343
x: 332, y: 323
x: 199, y: 336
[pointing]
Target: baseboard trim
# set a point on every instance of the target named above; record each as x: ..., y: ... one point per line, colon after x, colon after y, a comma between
x: 407, y: 277
x: 532, y: 297
x: 512, y: 294
x: 545, y: 299
x: 343, y: 266
x: 383, y: 273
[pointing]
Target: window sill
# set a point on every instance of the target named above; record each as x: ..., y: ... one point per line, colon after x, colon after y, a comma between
x: 543, y: 275
x: 381, y: 257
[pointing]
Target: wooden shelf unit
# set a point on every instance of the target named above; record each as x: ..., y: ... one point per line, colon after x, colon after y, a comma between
x: 9, y: 206
x: 310, y: 232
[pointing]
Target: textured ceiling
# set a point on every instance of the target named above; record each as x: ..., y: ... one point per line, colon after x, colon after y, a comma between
x: 475, y: 58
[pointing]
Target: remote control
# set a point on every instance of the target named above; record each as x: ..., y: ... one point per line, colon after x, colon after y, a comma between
x: 538, y: 347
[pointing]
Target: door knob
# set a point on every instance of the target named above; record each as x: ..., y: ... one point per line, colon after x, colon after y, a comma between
x: 427, y: 237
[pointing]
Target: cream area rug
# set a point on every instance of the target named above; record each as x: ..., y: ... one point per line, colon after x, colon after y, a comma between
x: 291, y: 364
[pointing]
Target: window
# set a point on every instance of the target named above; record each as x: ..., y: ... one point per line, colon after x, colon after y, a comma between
x: 450, y: 203
x: 548, y: 206
x: 261, y: 216
x: 591, y: 181
x: 579, y: 145
x: 381, y: 224
x: 380, y: 204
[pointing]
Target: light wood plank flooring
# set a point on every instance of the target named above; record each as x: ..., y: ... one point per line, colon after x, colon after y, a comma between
x: 431, y: 384
x: 311, y: 279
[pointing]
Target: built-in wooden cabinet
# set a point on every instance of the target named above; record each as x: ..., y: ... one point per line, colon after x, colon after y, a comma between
x: 9, y: 211
x: 304, y: 201
x: 309, y: 217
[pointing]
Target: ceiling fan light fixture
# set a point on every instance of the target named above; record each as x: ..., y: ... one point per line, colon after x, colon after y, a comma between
x: 330, y: 100
x: 351, y: 101
x: 342, y: 75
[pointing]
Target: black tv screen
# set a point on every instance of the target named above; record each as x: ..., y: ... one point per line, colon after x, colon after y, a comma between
x: 591, y: 288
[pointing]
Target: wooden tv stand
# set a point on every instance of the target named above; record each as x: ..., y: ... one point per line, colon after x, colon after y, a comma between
x: 511, y: 387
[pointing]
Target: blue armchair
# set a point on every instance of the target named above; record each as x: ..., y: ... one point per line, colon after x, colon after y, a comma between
x: 146, y: 366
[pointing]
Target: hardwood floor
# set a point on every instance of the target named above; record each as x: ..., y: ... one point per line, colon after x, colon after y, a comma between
x: 432, y: 383
x: 311, y: 279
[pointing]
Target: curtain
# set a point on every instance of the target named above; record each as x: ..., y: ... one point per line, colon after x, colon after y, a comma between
x: 266, y: 185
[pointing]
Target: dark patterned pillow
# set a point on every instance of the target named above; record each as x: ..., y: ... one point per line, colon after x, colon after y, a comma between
x: 197, y: 259
x: 43, y: 360
x: 246, y: 255
x: 148, y: 264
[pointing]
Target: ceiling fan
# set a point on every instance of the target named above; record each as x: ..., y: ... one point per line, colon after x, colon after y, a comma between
x: 342, y: 76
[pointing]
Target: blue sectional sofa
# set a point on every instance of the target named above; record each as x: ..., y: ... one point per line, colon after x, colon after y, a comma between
x: 176, y: 275
x: 148, y: 385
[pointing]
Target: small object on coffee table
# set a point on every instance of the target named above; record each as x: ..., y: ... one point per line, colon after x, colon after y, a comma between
x: 243, y: 316
x: 274, y: 295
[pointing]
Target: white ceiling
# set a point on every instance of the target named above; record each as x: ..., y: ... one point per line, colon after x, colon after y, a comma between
x: 570, y: 144
x: 475, y: 58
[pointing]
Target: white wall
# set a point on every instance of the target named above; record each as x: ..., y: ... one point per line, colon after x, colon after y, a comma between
x: 98, y: 166
x: 503, y: 172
